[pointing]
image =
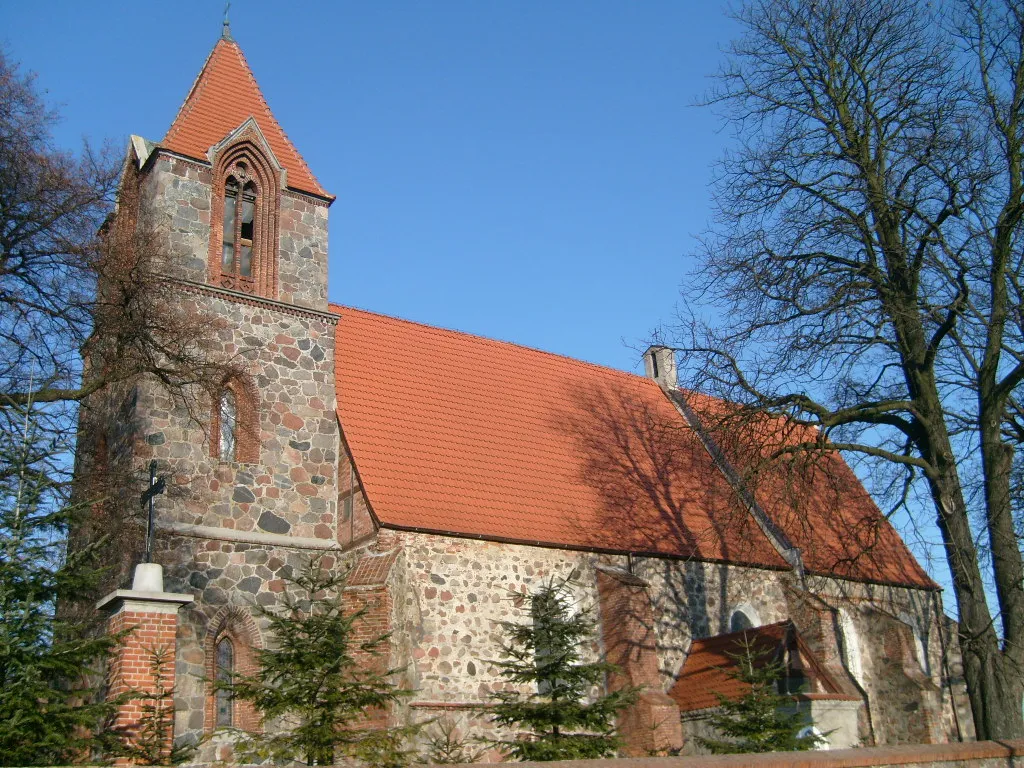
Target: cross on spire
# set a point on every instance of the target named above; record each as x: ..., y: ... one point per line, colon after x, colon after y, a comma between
x: 226, y: 31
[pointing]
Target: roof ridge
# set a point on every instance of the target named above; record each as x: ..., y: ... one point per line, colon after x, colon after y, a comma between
x: 333, y: 307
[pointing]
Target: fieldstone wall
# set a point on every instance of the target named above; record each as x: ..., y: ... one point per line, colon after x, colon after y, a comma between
x: 886, y: 639
x: 288, y: 357
x: 176, y: 197
x: 463, y: 588
x: 229, y: 579
x: 229, y: 532
x: 692, y: 599
x: 447, y: 596
x: 178, y: 193
x: 459, y: 590
x: 289, y: 494
x: 106, y: 476
x: 302, y: 259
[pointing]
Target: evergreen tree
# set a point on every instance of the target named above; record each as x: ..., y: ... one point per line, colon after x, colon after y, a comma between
x: 762, y: 720
x: 318, y: 682
x: 50, y: 708
x: 446, y: 746
x: 152, y: 744
x: 560, y: 720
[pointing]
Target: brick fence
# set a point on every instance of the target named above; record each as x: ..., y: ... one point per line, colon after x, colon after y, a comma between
x: 980, y: 754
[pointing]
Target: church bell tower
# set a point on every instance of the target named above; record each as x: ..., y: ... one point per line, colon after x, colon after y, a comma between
x: 250, y: 462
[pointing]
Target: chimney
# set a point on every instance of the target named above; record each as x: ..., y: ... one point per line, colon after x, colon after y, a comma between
x: 660, y: 365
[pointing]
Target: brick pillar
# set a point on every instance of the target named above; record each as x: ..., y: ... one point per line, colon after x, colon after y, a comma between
x: 366, y: 590
x: 147, y: 617
x: 652, y: 723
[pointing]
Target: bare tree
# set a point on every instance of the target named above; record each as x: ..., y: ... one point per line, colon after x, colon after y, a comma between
x: 84, y: 306
x: 83, y: 293
x: 866, y: 269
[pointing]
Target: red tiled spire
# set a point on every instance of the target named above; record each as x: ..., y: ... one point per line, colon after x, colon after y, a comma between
x: 223, y: 97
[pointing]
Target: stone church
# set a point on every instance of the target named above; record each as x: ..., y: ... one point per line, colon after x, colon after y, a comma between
x: 454, y: 474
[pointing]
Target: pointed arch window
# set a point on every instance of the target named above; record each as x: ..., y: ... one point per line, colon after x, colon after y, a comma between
x: 228, y: 425
x: 235, y: 427
x: 240, y: 201
x: 224, y: 655
x: 231, y: 647
x: 245, y: 209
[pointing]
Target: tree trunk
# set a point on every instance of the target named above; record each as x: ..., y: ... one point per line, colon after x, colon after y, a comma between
x: 994, y: 682
x: 1004, y: 719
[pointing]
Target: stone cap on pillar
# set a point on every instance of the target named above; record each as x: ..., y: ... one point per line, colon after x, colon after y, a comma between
x: 147, y: 593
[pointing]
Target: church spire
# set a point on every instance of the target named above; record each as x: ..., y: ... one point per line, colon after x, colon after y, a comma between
x: 222, y: 98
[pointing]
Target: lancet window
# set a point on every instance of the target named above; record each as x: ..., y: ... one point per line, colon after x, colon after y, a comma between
x: 244, y: 229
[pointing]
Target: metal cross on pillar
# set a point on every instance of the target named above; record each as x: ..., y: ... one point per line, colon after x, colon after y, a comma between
x: 156, y: 486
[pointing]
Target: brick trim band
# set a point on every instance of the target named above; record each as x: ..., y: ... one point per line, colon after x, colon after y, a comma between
x: 253, y: 301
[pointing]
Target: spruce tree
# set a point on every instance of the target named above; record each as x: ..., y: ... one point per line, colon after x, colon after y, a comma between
x: 51, y: 710
x: 316, y: 684
x: 152, y: 743
x: 560, y: 719
x: 762, y: 720
x: 447, y: 746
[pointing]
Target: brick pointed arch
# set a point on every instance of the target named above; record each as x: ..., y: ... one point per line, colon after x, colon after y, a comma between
x: 237, y: 625
x: 245, y: 160
x: 247, y: 407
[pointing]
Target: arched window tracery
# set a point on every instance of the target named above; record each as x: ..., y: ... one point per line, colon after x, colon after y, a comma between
x: 239, y: 230
x: 244, y: 229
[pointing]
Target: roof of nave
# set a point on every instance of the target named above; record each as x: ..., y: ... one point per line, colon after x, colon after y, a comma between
x: 458, y: 434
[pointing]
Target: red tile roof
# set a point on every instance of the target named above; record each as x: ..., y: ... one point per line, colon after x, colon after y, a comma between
x: 814, y: 498
x: 223, y: 97
x: 458, y: 434
x: 710, y: 664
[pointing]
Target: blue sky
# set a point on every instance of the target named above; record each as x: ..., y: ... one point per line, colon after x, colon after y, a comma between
x: 527, y: 170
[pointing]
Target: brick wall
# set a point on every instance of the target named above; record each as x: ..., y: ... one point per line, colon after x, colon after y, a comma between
x: 984, y: 754
x: 651, y: 724
x: 375, y: 604
x: 131, y: 670
x: 355, y: 524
